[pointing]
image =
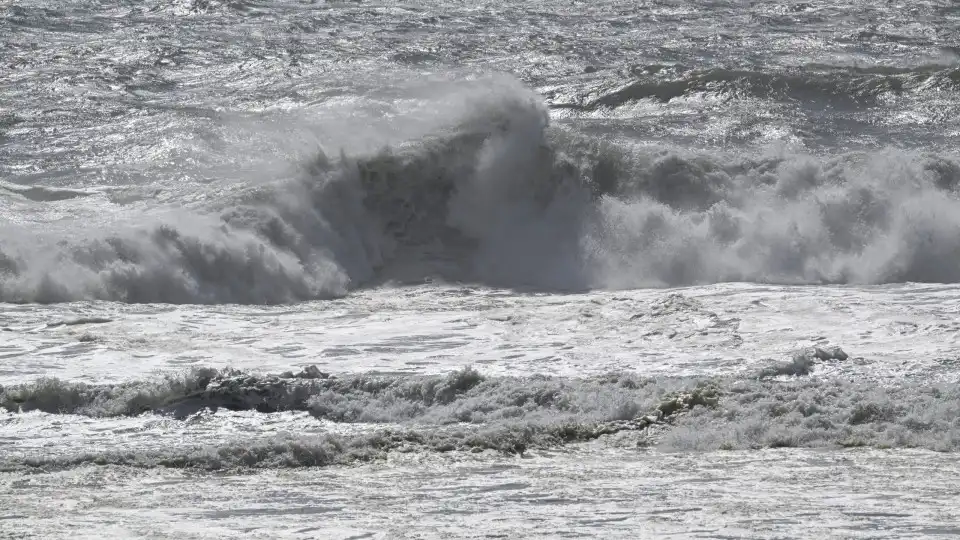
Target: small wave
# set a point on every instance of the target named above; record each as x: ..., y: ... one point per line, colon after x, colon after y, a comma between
x: 324, y: 450
x: 840, y: 87
x: 461, y: 396
x: 468, y: 411
x: 460, y: 411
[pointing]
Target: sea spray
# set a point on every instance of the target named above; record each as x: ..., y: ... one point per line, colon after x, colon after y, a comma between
x: 495, y: 195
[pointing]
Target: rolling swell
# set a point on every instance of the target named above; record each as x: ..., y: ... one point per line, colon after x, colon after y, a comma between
x: 496, y: 196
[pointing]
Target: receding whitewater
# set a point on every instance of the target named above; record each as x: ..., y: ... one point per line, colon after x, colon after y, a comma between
x: 448, y: 269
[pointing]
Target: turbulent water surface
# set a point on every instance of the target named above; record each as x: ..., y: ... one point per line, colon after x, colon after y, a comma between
x: 458, y: 269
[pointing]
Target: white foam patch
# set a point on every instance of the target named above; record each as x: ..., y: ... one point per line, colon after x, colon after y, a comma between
x: 889, y: 331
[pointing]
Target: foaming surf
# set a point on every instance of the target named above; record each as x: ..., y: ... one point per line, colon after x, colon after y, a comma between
x: 330, y: 420
x: 484, y: 190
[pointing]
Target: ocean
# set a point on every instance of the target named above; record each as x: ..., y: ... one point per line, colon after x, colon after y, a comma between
x: 448, y: 269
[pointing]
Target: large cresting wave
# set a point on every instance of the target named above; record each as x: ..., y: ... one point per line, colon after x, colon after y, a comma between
x: 495, y: 195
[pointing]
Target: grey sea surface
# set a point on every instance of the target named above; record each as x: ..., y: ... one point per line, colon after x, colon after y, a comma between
x: 307, y: 269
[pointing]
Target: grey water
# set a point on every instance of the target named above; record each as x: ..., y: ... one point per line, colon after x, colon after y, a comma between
x: 334, y: 269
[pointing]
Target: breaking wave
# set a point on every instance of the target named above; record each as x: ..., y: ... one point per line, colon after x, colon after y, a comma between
x: 495, y: 195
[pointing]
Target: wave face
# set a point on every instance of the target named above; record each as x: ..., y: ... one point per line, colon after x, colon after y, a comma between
x: 493, y: 194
